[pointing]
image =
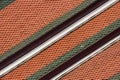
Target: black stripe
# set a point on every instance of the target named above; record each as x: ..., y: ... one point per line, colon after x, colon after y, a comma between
x: 50, y: 34
x: 82, y: 54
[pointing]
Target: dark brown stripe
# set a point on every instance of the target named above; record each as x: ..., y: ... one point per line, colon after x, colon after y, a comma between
x: 50, y: 34
x: 82, y: 54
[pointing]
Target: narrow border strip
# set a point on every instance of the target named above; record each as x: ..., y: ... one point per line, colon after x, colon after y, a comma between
x: 46, y: 29
x: 82, y: 54
x: 115, y: 77
x: 84, y: 45
x: 4, y: 3
x: 58, y: 36
x: 88, y: 57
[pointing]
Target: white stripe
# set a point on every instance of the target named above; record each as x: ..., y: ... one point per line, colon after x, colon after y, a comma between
x: 57, y: 37
x: 77, y: 64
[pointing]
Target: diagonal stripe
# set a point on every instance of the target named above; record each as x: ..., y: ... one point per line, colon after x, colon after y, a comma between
x: 75, y: 50
x: 101, y: 67
x: 58, y: 36
x: 88, y: 57
x: 115, y: 77
x: 61, y: 47
x: 91, y: 51
x: 46, y: 29
x: 4, y: 3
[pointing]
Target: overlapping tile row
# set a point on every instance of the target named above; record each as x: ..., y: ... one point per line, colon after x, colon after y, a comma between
x: 64, y: 45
